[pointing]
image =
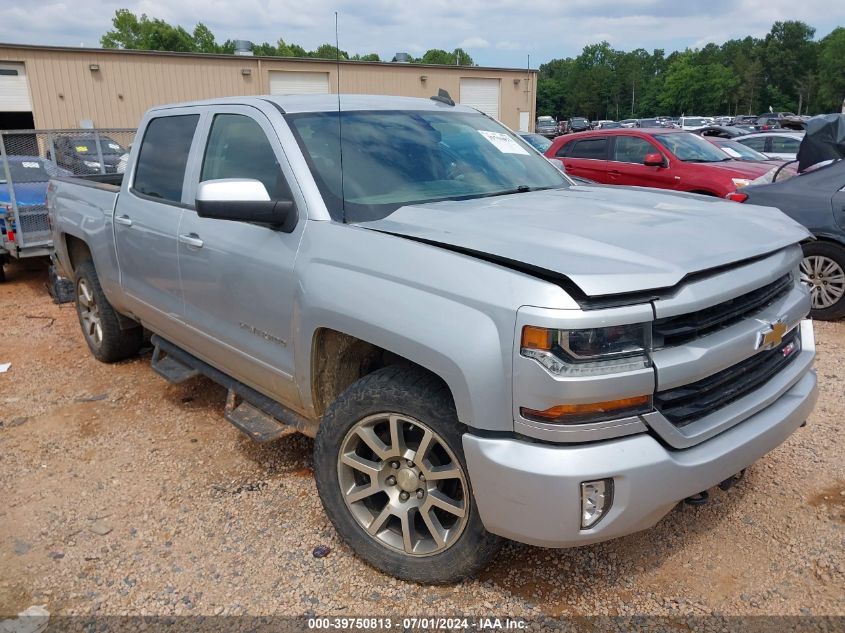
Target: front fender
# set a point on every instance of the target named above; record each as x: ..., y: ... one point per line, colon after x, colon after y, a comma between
x: 450, y: 313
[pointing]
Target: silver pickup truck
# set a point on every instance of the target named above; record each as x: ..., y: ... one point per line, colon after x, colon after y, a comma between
x: 481, y: 348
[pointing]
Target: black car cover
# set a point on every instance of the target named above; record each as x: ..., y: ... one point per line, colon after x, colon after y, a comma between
x: 825, y: 140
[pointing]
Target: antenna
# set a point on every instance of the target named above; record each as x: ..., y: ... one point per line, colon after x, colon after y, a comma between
x: 339, y: 122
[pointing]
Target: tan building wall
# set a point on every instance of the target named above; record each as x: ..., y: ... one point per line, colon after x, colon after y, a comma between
x: 65, y: 90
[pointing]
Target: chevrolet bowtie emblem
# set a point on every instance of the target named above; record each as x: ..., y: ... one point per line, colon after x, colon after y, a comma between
x: 773, y: 336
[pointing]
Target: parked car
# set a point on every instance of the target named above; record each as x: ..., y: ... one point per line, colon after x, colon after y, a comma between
x: 665, y: 159
x: 816, y: 199
x: 537, y: 141
x: 546, y: 126
x: 649, y: 123
x: 23, y: 225
x: 628, y: 123
x: 738, y: 151
x: 692, y: 123
x: 608, y: 125
x: 597, y: 125
x: 79, y: 154
x: 578, y: 124
x: 772, y: 120
x: 776, y: 144
x: 745, y: 119
x: 721, y: 131
x: 616, y: 351
x: 563, y: 126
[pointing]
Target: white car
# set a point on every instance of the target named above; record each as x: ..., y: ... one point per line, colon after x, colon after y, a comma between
x: 692, y: 123
x: 781, y: 144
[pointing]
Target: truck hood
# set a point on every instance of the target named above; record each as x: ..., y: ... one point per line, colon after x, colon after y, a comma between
x: 606, y: 240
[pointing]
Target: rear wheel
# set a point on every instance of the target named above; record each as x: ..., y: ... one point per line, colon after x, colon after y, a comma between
x: 390, y: 470
x: 823, y: 270
x: 98, y: 319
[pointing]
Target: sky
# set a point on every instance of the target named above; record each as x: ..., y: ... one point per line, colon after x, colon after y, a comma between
x: 494, y: 32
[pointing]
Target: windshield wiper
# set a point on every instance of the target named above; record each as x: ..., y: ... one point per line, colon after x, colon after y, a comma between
x: 517, y: 189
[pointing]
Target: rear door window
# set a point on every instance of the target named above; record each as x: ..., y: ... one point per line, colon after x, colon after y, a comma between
x: 758, y: 143
x: 589, y: 148
x: 163, y: 157
x: 785, y: 145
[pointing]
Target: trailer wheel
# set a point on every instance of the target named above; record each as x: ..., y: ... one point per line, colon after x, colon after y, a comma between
x: 391, y: 473
x: 98, y: 319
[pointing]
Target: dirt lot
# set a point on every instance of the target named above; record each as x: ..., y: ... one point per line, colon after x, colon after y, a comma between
x: 122, y: 494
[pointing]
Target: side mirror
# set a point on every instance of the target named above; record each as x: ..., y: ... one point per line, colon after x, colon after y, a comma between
x: 244, y: 200
x: 654, y: 160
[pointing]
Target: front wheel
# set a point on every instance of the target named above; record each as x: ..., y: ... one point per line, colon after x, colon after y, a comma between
x: 391, y: 474
x: 823, y: 270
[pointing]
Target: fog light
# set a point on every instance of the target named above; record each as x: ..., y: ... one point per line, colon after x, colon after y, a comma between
x: 596, y: 498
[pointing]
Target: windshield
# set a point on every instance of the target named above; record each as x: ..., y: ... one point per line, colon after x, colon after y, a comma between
x: 540, y: 143
x: 695, y: 122
x: 610, y: 125
x: 691, y: 148
x: 88, y: 146
x: 25, y: 171
x: 738, y: 150
x: 546, y: 120
x: 396, y: 158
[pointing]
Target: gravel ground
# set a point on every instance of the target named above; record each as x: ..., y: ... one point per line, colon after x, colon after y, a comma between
x: 123, y: 494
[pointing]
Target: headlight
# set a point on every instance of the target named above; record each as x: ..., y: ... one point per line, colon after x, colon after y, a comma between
x: 91, y: 163
x: 591, y: 351
x: 740, y: 182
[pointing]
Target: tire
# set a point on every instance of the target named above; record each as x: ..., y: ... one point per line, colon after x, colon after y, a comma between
x: 98, y: 319
x: 417, y: 403
x: 823, y: 269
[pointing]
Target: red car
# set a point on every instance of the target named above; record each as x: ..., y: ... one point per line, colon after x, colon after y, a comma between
x: 661, y: 158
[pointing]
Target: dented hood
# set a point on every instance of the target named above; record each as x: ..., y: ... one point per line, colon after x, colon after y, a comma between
x: 606, y: 240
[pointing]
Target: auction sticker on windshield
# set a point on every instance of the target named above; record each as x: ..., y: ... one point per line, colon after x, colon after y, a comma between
x: 503, y: 142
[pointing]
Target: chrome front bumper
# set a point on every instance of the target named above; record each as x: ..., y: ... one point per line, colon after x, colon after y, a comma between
x: 530, y: 492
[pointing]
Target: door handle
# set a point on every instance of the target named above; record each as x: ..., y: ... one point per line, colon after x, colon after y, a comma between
x: 191, y: 239
x: 125, y: 220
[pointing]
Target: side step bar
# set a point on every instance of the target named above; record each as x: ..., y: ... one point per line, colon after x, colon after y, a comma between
x: 260, y: 417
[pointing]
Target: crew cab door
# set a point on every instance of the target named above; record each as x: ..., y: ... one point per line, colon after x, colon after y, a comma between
x: 146, y: 221
x: 237, y: 277
x: 626, y: 167
x: 586, y: 157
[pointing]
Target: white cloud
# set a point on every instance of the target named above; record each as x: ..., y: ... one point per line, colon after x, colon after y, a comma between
x: 474, y: 42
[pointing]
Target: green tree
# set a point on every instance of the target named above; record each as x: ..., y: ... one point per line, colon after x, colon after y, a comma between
x: 831, y: 71
x: 329, y: 51
x: 141, y: 33
x: 788, y: 54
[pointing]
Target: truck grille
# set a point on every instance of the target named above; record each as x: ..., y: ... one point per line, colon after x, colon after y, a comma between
x: 683, y: 405
x: 677, y: 330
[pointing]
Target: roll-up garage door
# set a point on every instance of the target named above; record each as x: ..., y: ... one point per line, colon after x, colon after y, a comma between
x: 283, y: 82
x: 481, y: 94
x: 14, y: 90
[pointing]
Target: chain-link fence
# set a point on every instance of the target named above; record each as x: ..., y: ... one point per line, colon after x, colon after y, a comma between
x: 29, y: 158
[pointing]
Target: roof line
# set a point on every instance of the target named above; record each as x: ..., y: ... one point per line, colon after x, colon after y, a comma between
x: 242, y: 58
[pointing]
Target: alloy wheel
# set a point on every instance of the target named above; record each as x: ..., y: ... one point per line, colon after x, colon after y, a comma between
x: 825, y: 278
x: 89, y: 313
x: 403, y: 484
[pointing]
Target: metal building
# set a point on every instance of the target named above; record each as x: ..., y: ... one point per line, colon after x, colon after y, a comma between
x: 49, y: 87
